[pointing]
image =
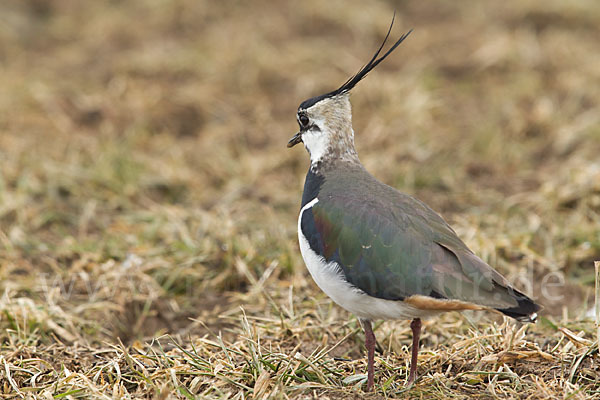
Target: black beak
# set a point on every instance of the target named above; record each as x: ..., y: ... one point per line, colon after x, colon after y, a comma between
x: 297, y: 138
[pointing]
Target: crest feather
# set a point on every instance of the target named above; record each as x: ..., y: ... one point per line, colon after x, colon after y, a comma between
x: 350, y: 83
x: 353, y: 80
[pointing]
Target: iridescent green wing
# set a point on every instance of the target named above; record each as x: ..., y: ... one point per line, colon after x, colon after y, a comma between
x: 395, y: 248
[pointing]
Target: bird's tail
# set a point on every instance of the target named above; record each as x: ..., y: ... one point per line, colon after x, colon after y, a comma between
x: 525, y: 311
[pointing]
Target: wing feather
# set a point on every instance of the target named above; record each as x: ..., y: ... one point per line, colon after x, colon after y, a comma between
x: 392, y: 246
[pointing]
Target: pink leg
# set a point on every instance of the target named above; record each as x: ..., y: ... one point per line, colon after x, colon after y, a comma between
x: 415, y: 325
x: 370, y: 345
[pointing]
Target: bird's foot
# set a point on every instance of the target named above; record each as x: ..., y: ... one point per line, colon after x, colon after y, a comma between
x: 370, y: 383
x: 411, y: 378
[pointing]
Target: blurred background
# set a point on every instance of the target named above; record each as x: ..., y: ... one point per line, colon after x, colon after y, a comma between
x: 145, y: 179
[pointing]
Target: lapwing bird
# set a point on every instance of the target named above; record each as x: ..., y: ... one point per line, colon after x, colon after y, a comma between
x: 377, y: 252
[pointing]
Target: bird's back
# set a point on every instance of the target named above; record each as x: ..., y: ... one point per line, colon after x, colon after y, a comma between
x: 394, y: 247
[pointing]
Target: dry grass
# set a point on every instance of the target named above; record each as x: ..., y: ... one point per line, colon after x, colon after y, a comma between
x: 148, y: 203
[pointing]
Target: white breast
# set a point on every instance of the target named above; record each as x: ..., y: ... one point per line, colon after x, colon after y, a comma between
x: 330, y: 278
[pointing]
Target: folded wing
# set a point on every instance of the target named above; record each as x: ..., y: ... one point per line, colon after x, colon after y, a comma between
x: 397, y: 249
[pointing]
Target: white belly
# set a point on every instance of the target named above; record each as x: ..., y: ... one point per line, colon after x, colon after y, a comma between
x: 330, y: 278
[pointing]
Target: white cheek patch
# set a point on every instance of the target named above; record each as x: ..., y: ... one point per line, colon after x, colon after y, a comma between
x: 317, y: 144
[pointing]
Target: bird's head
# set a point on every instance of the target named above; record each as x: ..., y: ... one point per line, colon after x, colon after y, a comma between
x: 326, y: 121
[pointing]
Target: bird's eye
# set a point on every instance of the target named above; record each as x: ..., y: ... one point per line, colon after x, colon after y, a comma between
x: 303, y: 120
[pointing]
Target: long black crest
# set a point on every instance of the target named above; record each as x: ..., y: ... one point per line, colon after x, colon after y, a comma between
x: 350, y: 83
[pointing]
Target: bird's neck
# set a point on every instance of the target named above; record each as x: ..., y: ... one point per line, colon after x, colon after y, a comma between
x: 339, y: 149
x: 312, y: 186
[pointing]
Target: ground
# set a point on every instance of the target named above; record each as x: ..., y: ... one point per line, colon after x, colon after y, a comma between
x: 148, y: 202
